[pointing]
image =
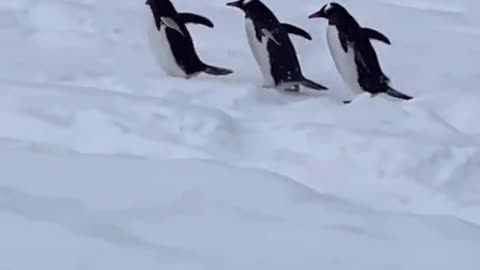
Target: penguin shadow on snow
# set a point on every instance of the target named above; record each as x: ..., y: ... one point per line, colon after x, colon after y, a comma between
x: 353, y: 54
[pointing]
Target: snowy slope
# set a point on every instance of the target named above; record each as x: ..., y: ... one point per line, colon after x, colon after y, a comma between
x: 113, y: 213
x: 109, y: 164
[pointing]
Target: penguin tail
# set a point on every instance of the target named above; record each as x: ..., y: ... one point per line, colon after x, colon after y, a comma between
x: 313, y: 85
x: 217, y: 71
x: 394, y: 93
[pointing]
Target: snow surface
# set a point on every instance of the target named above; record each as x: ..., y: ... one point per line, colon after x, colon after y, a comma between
x: 109, y: 164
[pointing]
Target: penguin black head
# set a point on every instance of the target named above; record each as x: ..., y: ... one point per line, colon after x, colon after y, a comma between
x: 245, y: 5
x: 161, y: 7
x: 334, y: 12
x: 255, y: 10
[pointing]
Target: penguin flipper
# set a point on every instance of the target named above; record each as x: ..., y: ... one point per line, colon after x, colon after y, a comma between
x: 196, y: 19
x: 217, y: 71
x: 394, y: 93
x: 343, y: 41
x: 270, y: 35
x: 374, y: 34
x: 172, y: 24
x: 292, y: 29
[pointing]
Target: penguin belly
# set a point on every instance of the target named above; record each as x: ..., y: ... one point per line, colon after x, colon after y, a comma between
x: 162, y: 50
x: 260, y: 53
x: 344, y: 61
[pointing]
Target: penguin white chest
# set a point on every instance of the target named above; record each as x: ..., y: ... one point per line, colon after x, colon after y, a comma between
x: 260, y: 52
x: 344, y: 61
x: 162, y: 50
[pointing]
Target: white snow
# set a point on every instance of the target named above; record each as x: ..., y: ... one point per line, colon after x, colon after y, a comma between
x: 107, y: 163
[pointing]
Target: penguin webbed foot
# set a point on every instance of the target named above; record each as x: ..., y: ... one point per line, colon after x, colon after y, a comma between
x: 397, y: 94
x: 295, y: 88
x: 313, y: 85
x: 392, y: 93
x: 288, y: 86
x: 217, y: 71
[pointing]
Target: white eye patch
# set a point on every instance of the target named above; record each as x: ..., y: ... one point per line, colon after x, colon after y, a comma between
x: 328, y: 7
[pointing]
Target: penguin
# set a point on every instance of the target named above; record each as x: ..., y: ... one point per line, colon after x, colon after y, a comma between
x: 172, y: 44
x: 353, y: 54
x: 272, y: 48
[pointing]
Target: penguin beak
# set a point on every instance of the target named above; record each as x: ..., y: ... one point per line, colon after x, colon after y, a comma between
x: 319, y: 14
x: 237, y: 4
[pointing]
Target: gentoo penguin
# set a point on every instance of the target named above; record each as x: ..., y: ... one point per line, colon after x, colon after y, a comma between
x: 172, y: 44
x: 272, y: 47
x: 353, y: 54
